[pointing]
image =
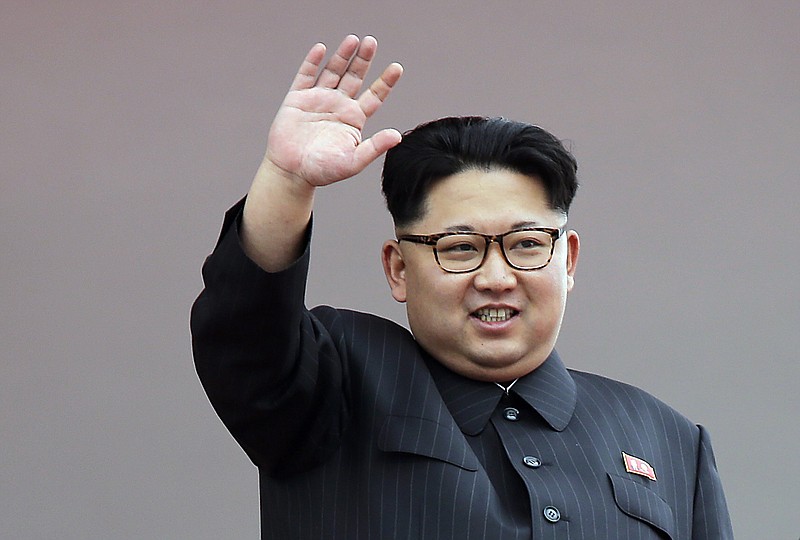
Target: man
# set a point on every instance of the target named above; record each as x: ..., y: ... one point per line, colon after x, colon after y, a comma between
x: 470, y: 426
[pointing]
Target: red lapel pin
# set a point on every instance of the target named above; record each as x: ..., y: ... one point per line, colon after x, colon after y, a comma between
x: 635, y: 465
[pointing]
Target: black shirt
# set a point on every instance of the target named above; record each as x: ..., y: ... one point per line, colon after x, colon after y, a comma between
x: 499, y: 427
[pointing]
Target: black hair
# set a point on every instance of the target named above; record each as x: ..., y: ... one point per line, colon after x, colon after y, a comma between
x: 441, y: 148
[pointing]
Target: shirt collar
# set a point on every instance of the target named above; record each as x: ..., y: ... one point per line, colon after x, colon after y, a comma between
x: 549, y: 390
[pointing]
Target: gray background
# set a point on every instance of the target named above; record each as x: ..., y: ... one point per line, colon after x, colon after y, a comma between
x: 129, y: 127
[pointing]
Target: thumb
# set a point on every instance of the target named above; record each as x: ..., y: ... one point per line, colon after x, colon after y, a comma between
x: 370, y: 149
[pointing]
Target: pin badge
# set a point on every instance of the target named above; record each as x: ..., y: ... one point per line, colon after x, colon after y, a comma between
x: 635, y: 465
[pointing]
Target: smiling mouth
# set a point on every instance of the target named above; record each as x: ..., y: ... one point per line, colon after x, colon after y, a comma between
x: 494, y: 314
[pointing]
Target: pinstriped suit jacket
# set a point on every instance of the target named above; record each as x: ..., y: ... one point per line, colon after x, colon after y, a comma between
x: 354, y: 441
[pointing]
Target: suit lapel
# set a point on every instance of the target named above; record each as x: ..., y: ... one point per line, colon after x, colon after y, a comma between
x: 422, y: 424
x: 427, y: 437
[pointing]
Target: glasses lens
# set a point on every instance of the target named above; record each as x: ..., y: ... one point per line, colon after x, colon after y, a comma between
x: 528, y: 249
x: 460, y: 252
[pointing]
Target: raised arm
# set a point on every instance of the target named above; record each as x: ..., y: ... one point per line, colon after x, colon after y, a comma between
x: 315, y: 140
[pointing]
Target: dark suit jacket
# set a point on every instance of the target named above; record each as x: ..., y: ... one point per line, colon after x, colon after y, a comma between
x: 353, y: 439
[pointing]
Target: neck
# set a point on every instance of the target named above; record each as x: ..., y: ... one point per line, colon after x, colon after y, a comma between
x: 506, y: 386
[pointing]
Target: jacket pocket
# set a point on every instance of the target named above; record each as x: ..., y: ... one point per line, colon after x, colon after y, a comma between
x: 428, y: 438
x: 643, y: 504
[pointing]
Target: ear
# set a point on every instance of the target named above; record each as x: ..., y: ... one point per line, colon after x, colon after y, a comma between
x: 573, y: 250
x: 394, y: 267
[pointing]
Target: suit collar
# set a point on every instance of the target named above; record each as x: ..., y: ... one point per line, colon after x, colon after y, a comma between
x: 549, y: 390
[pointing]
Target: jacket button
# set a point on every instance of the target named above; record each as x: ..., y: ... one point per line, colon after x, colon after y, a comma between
x: 533, y: 462
x: 511, y: 414
x: 552, y: 514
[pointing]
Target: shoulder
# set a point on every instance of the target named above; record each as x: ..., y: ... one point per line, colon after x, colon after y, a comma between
x: 351, y: 316
x: 613, y: 389
x: 623, y: 400
x: 359, y: 324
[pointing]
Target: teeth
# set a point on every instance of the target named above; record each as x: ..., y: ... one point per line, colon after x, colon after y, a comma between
x: 494, y: 314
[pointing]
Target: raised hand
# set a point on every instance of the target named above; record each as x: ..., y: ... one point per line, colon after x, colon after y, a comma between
x: 316, y: 135
x: 315, y: 140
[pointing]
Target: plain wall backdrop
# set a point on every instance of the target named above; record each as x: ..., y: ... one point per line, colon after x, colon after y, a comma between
x: 129, y: 127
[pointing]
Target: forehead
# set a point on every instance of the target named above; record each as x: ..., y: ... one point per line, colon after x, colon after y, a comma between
x: 484, y: 200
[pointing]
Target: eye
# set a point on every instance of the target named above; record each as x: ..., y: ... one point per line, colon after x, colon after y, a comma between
x: 527, y: 241
x: 458, y: 247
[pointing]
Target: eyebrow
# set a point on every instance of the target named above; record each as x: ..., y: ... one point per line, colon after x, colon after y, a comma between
x: 470, y: 228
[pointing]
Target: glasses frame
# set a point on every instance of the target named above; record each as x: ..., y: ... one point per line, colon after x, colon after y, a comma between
x: 433, y: 239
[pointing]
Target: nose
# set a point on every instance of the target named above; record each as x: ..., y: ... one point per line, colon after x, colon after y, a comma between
x: 495, y: 274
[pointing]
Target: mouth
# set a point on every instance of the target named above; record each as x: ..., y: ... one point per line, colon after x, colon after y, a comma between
x: 494, y: 314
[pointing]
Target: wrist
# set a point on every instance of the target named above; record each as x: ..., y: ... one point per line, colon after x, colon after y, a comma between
x: 270, y: 176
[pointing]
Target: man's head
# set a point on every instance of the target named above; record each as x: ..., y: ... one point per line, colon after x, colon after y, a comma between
x: 442, y: 148
x: 479, y: 315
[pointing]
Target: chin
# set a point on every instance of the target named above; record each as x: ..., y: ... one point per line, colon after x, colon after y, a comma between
x: 512, y: 366
x: 495, y: 367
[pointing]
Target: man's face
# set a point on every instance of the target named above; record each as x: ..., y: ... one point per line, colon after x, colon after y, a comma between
x: 444, y: 309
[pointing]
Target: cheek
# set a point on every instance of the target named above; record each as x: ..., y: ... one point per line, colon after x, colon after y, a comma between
x: 433, y: 300
x: 556, y: 274
x: 548, y: 291
x: 428, y: 293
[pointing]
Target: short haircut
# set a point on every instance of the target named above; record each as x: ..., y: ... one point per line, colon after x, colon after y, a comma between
x: 441, y: 148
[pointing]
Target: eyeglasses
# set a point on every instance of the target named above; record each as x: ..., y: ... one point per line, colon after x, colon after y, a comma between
x: 459, y: 252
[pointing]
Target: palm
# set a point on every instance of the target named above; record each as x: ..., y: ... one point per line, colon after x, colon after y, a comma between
x: 317, y: 134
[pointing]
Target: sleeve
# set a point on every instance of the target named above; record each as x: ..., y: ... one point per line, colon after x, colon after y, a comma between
x: 273, y: 373
x: 711, y: 519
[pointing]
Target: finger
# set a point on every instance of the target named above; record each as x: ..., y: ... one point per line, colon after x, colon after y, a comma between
x: 337, y: 65
x: 370, y: 149
x: 307, y: 73
x: 374, y: 96
x: 353, y: 78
